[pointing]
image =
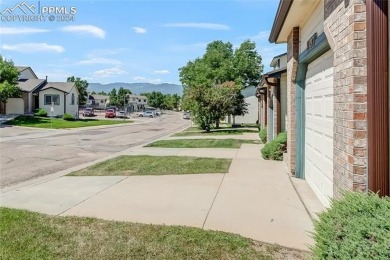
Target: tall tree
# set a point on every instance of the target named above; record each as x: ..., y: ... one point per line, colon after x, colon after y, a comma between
x: 102, y: 93
x: 81, y: 86
x: 247, y: 64
x: 8, y: 80
x: 155, y: 99
x: 220, y: 71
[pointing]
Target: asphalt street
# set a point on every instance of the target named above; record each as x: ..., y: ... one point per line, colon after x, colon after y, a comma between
x: 28, y: 153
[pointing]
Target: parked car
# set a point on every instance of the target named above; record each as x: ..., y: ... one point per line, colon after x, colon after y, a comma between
x: 121, y: 114
x: 110, y: 113
x: 147, y: 114
x: 186, y: 115
x: 88, y: 112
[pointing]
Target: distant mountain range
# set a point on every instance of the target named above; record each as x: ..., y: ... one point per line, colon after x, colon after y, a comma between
x: 137, y: 88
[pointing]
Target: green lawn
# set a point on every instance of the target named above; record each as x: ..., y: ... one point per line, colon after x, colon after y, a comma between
x: 201, y: 143
x: 128, y: 165
x: 30, y: 235
x: 231, y: 131
x: 58, y: 123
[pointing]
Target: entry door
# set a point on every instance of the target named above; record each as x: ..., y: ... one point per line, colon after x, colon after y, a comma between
x: 319, y: 127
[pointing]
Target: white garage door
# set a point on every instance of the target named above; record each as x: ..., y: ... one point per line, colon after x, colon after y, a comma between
x: 319, y: 127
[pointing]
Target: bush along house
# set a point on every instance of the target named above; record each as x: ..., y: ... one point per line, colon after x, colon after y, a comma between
x: 337, y: 93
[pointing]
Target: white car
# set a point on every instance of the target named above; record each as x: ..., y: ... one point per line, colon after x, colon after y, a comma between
x: 121, y: 114
x: 150, y: 114
x: 186, y: 115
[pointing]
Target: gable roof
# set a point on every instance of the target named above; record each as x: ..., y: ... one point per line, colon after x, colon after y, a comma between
x: 30, y: 84
x: 61, y: 86
x: 23, y: 68
x: 100, y: 96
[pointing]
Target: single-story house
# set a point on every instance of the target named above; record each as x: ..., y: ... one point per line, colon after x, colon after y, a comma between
x: 337, y: 93
x: 39, y: 93
x: 272, y: 98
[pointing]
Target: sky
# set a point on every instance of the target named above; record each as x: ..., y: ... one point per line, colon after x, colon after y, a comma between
x: 128, y: 41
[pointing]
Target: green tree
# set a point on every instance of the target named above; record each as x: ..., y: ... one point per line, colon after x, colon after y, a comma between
x: 114, y: 98
x: 102, y: 93
x: 81, y: 86
x: 155, y: 99
x: 212, y: 83
x: 93, y: 93
x: 8, y: 80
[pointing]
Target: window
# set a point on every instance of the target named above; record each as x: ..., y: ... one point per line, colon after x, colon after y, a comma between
x: 72, y: 98
x: 144, y: 100
x: 49, y: 99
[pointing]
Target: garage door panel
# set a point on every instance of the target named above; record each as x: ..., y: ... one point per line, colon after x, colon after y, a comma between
x: 319, y: 126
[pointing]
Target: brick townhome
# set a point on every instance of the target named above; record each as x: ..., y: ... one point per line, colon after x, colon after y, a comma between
x: 337, y: 93
x: 272, y: 97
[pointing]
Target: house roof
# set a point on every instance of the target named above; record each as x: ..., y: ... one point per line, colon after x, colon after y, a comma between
x: 271, y: 74
x: 100, y: 96
x: 61, y: 86
x: 23, y: 68
x: 143, y: 97
x: 30, y: 84
x: 290, y: 14
x: 273, y: 62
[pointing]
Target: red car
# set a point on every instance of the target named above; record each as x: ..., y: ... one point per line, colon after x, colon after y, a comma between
x: 110, y: 113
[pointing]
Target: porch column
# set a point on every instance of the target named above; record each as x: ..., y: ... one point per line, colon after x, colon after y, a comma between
x: 30, y: 101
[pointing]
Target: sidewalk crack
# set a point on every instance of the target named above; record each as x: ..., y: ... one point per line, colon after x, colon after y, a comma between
x: 212, y: 203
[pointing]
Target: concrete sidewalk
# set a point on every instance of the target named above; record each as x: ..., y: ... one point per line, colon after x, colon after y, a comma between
x: 255, y: 199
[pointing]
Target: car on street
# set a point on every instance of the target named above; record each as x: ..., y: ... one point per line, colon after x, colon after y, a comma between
x: 186, y: 115
x: 88, y: 111
x: 110, y: 113
x: 121, y: 114
x: 150, y: 114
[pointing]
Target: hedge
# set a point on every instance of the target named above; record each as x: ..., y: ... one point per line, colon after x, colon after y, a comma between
x: 355, y: 227
x: 40, y: 112
x: 68, y: 117
x: 274, y: 150
x: 263, y: 135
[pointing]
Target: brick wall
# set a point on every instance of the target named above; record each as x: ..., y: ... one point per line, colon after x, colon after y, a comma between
x: 346, y: 32
x: 292, y: 66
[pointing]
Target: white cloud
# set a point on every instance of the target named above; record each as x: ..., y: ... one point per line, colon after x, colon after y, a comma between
x: 100, y: 61
x: 208, y: 26
x: 161, y: 72
x: 139, y: 78
x: 112, y: 72
x: 33, y: 47
x: 147, y: 80
x: 139, y: 29
x: 89, y: 29
x: 263, y: 35
x: 21, y: 30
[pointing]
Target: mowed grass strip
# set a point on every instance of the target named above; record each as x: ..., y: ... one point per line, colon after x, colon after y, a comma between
x: 129, y: 165
x: 216, y: 132
x: 201, y: 143
x: 30, y: 235
x: 58, y: 123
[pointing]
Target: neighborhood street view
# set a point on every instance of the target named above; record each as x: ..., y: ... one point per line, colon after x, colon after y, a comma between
x: 194, y: 129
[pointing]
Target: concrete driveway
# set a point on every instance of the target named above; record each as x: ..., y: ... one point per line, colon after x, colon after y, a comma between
x: 28, y: 153
x: 255, y: 199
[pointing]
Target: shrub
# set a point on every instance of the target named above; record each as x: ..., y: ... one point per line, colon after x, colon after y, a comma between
x: 263, y: 135
x: 355, y: 227
x: 274, y: 150
x: 40, y: 112
x: 68, y: 117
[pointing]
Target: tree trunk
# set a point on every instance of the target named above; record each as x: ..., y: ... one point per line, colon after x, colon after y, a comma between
x: 217, y: 124
x: 234, y: 120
